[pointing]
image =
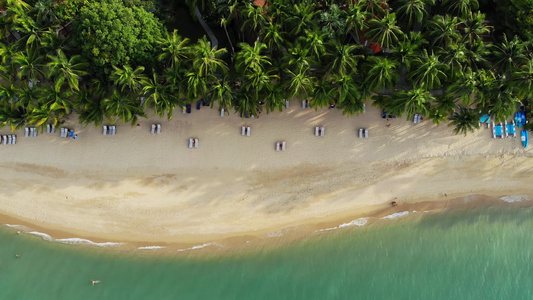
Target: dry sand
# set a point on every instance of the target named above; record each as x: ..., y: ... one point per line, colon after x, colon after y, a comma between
x: 150, y: 188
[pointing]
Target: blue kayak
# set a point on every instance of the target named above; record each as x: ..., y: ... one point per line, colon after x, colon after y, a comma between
x: 524, y: 138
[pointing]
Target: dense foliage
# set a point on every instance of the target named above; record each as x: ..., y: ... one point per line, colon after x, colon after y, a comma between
x: 438, y: 58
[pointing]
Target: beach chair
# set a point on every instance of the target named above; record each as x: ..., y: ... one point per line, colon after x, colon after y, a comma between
x: 221, y: 112
x: 277, y: 146
x: 366, y: 132
x: 248, y: 130
x: 510, y: 129
x: 361, y: 132
x: 47, y: 128
x: 158, y: 128
x: 153, y: 129
x: 191, y: 142
x: 9, y: 139
x: 286, y: 103
x: 33, y: 132
x: 485, y: 119
x: 14, y: 139
x: 26, y: 131
x: 52, y: 128
x: 104, y: 130
x: 112, y: 130
x: 243, y: 130
x: 316, y: 130
x: 322, y: 131
x: 283, y: 146
x: 196, y: 143
x: 497, y: 130
x: 303, y: 103
x: 4, y: 138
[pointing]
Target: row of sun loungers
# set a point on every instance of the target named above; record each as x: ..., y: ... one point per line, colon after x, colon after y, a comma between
x: 156, y: 128
x: 417, y: 118
x: 193, y: 143
x: 50, y: 128
x: 246, y: 130
x: 305, y: 104
x: 319, y: 130
x: 503, y: 130
x: 363, y: 132
x: 280, y: 146
x: 30, y: 132
x: 109, y: 130
x: 10, y: 139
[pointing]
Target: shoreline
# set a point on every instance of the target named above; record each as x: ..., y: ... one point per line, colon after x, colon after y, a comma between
x: 146, y: 189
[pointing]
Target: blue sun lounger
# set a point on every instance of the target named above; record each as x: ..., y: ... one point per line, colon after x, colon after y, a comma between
x: 485, y: 119
x: 497, y: 130
x: 520, y: 118
x: 510, y: 129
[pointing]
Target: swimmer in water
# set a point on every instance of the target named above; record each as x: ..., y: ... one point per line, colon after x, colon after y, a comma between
x: 95, y: 282
x: 17, y: 255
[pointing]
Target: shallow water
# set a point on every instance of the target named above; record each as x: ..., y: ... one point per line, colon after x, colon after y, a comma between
x: 482, y: 253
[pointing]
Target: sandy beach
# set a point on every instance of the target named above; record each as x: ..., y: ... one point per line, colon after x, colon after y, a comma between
x: 151, y: 189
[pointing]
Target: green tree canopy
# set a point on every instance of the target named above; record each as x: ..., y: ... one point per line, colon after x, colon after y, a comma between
x: 109, y: 33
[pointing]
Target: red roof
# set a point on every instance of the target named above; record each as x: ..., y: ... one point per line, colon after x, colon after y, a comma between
x: 261, y: 3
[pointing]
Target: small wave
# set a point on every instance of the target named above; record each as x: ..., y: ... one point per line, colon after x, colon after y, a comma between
x: 78, y: 241
x: 357, y: 222
x: 327, y: 229
x: 198, y: 247
x: 45, y: 236
x: 396, y: 215
x: 151, y: 247
x: 515, y: 198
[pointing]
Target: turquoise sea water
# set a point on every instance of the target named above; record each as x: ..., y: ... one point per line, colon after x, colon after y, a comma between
x: 481, y: 253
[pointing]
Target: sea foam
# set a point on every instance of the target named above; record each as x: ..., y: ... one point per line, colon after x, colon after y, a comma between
x: 515, y: 198
x: 151, y: 247
x: 198, y: 247
x: 356, y: 222
x: 396, y: 215
x: 45, y: 236
x: 78, y: 241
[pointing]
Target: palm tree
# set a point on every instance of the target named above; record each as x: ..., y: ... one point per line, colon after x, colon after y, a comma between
x: 474, y: 27
x: 467, y: 120
x: 300, y: 84
x: 356, y: 20
x: 429, y: 71
x: 382, y: 73
x: 416, y: 100
x: 462, y: 8
x: 273, y: 98
x: 9, y: 68
x: 298, y: 56
x: 348, y: 94
x: 341, y: 59
x: 127, y: 77
x: 273, y: 37
x: 509, y: 54
x: 254, y: 17
x: 523, y: 79
x: 502, y: 101
x: 117, y: 108
x: 63, y: 69
x: 412, y: 11
x: 324, y: 93
x: 302, y: 18
x: 455, y: 56
x: 314, y: 42
x: 376, y: 8
x: 384, y: 31
x: 444, y: 30
x: 60, y: 102
x: 206, y: 60
x: 92, y: 111
x: 30, y: 64
x: 466, y: 86
x: 175, y: 49
x: 249, y: 59
x: 222, y: 93
x: 28, y: 97
x: 157, y: 96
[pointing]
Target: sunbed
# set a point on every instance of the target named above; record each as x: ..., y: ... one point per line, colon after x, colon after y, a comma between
x: 191, y: 142
x: 112, y: 130
x: 277, y: 146
x: 283, y: 146
x: 510, y: 129
x: 4, y: 138
x: 243, y: 130
x: 47, y: 128
x: 26, y: 131
x: 366, y: 132
x: 221, y: 112
x: 153, y: 129
x: 14, y: 139
x: 104, y: 130
x: 286, y: 103
x: 322, y: 131
x: 9, y: 139
x: 497, y: 130
x: 33, y: 132
x: 248, y: 130
x: 485, y: 119
x: 317, y: 131
x: 195, y: 143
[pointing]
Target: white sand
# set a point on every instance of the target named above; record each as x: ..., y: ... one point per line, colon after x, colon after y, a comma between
x: 144, y: 187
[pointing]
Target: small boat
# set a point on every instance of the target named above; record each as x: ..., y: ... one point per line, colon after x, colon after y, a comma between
x: 524, y: 138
